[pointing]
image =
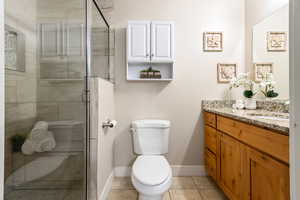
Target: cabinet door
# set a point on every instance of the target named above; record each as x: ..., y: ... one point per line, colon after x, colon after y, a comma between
x: 267, y: 178
x: 211, y: 164
x: 211, y: 139
x: 73, y: 39
x: 138, y: 41
x: 230, y: 166
x: 50, y: 39
x: 162, y: 44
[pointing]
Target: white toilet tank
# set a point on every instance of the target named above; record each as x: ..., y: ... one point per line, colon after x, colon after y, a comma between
x: 150, y: 137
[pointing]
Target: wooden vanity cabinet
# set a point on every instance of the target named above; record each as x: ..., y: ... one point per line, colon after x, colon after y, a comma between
x: 211, y: 145
x: 265, y: 178
x: 251, y: 162
x: 211, y: 164
x: 229, y: 159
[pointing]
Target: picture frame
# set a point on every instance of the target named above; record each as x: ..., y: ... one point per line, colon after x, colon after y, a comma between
x: 213, y: 41
x: 260, y: 69
x: 226, y: 71
x: 276, y: 41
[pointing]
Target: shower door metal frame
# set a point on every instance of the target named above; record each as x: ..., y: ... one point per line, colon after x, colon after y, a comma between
x: 2, y: 88
x: 87, y: 92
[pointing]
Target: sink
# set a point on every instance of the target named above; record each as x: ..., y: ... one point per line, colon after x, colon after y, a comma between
x: 271, y: 116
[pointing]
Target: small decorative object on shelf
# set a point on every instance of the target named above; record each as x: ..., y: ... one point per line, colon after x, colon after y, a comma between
x: 267, y: 86
x: 150, y: 74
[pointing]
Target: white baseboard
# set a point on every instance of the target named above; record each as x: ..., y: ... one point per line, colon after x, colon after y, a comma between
x: 177, y: 170
x: 107, y: 187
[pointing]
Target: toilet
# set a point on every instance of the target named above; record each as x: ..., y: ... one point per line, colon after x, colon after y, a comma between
x: 151, y: 172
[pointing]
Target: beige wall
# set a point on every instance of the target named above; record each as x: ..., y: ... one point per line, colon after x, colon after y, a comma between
x: 195, y: 72
x: 102, y: 140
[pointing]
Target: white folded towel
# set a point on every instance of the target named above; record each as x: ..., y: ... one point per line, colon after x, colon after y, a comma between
x: 39, y: 143
x: 39, y: 128
x: 45, y: 142
x: 39, y: 139
x: 27, y: 147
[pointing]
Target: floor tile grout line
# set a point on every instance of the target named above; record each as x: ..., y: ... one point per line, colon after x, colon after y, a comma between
x: 199, y: 190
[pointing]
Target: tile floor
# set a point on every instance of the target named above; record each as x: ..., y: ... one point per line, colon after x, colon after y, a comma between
x: 183, y: 188
x: 44, y: 195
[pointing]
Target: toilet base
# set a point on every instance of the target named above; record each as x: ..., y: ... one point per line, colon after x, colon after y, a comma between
x: 154, y: 197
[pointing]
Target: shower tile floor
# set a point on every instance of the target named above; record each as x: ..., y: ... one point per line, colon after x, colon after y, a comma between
x: 44, y: 195
x: 183, y: 188
x: 64, y: 183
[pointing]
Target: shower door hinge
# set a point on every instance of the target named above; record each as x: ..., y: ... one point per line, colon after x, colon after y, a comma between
x: 86, y: 96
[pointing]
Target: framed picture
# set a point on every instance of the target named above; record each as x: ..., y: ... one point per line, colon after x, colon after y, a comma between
x: 261, y: 69
x: 276, y: 41
x: 213, y: 41
x: 226, y: 71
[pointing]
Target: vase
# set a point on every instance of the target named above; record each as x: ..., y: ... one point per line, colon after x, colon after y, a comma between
x: 250, y: 103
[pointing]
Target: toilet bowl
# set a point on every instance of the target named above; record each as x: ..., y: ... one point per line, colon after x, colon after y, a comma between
x: 151, y: 173
x: 151, y: 176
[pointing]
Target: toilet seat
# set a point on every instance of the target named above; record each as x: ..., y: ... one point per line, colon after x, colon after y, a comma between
x: 151, y: 170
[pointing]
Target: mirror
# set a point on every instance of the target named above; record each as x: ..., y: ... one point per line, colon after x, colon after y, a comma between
x: 14, y: 49
x: 270, y: 49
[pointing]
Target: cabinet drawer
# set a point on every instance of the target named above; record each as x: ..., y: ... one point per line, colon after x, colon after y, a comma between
x: 211, y: 139
x: 272, y: 143
x: 229, y: 126
x: 211, y: 164
x: 210, y: 119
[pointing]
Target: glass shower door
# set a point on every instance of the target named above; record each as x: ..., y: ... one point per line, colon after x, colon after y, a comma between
x: 45, y: 108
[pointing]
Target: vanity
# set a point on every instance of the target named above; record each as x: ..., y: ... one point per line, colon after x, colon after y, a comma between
x: 247, y: 152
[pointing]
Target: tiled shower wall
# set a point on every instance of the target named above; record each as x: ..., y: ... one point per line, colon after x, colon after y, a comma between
x: 60, y: 89
x: 60, y: 85
x: 60, y: 100
x: 21, y: 87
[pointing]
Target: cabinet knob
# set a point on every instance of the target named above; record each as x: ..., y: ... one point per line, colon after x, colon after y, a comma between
x: 147, y: 55
x: 152, y: 55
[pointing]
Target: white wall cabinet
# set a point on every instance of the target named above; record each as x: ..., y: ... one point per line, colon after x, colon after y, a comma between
x: 74, y: 39
x: 50, y: 39
x: 138, y: 41
x: 59, y: 40
x: 162, y: 44
x: 150, y: 43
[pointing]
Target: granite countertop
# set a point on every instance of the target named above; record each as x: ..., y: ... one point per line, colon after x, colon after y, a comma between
x: 254, y: 117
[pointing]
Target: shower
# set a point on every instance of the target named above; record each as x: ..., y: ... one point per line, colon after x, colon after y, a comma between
x: 51, y: 53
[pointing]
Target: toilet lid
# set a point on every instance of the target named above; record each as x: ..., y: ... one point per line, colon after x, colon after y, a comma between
x: 151, y: 170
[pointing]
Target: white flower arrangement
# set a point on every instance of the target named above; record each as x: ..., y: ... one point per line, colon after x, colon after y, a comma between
x: 243, y: 79
x: 267, y: 86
